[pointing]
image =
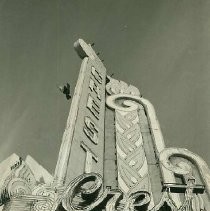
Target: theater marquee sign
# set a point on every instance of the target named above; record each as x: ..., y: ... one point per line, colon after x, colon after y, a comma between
x: 112, y: 156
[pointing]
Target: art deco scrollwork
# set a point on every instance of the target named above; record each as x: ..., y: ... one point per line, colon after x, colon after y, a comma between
x: 83, y: 193
x: 138, y: 201
x: 182, y: 169
x: 19, y: 182
x: 17, y: 187
x: 166, y: 201
x: 43, y: 205
x: 193, y: 199
x: 129, y: 103
x: 47, y: 198
x: 120, y: 87
x: 131, y: 158
x: 44, y: 190
x: 192, y: 202
x: 123, y: 102
x: 114, y: 202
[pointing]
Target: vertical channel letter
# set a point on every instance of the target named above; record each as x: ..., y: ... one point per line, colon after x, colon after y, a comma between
x: 90, y: 156
x: 91, y: 130
x: 96, y: 75
x: 93, y: 106
x: 93, y: 87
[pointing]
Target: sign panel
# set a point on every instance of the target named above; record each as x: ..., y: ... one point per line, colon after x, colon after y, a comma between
x: 87, y: 147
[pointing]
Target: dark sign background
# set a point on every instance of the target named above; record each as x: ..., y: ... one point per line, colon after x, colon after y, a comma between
x: 162, y: 47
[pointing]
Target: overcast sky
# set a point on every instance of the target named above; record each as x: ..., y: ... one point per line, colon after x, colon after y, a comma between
x: 162, y: 47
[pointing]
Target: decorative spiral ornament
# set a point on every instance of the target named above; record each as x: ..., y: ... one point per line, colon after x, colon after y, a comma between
x: 17, y: 187
x: 183, y: 169
x: 44, y: 190
x: 82, y: 192
x: 123, y: 102
x: 43, y: 205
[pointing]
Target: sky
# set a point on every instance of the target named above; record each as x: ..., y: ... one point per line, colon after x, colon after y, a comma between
x: 162, y: 47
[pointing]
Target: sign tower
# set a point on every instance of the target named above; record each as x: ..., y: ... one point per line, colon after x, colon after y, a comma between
x: 112, y: 156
